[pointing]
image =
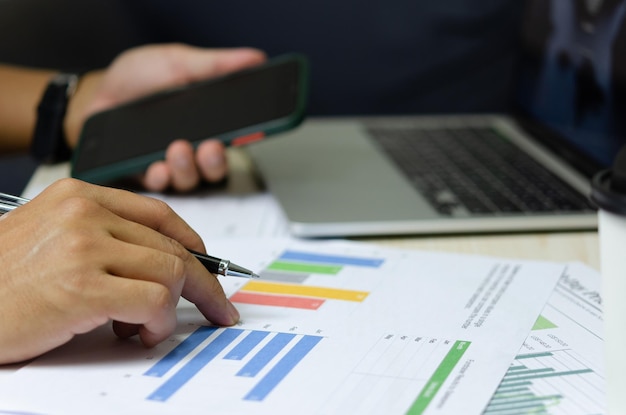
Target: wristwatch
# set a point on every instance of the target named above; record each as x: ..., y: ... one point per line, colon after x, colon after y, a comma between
x: 49, y: 144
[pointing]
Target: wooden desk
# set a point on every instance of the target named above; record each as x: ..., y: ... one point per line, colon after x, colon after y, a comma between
x: 558, y: 246
x: 574, y: 246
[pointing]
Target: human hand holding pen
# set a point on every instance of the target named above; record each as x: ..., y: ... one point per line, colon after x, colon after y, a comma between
x: 78, y: 256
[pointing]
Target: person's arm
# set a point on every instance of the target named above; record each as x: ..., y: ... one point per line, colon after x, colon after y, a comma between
x: 80, y: 255
x: 20, y: 92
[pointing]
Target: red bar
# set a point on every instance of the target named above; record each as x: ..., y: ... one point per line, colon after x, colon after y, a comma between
x: 277, y: 300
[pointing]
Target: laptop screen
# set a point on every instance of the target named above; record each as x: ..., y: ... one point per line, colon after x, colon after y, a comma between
x: 573, y: 73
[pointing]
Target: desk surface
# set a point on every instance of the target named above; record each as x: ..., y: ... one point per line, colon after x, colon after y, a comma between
x: 557, y: 246
x: 575, y: 246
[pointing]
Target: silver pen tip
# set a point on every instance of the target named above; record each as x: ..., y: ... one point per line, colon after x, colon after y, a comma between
x: 235, y: 270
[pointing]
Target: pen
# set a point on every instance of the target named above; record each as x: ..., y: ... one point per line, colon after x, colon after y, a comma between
x: 212, y: 264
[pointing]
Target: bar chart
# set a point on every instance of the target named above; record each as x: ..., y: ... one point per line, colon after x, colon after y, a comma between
x: 284, y: 281
x: 386, y: 338
x: 397, y: 373
x: 556, y: 382
x: 260, y: 359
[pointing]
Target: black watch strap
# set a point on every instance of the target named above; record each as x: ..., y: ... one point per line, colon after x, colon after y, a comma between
x: 49, y: 144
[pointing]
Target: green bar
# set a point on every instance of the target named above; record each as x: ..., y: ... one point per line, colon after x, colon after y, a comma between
x: 517, y: 375
x: 436, y: 380
x: 543, y: 323
x: 513, y: 384
x: 529, y: 411
x: 531, y: 356
x: 307, y: 268
x: 500, y: 393
x: 529, y: 408
x: 524, y: 400
x: 514, y: 368
x: 533, y: 409
x: 509, y: 396
x: 547, y: 375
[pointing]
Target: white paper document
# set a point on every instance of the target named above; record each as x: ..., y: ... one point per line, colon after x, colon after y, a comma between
x: 219, y: 216
x: 332, y: 327
x: 560, y: 368
x: 214, y: 215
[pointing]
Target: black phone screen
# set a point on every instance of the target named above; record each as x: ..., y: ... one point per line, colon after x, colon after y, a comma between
x: 252, y: 100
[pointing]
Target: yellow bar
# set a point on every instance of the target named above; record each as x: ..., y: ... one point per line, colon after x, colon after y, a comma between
x: 306, y: 291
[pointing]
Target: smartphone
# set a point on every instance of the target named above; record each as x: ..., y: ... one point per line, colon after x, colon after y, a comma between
x: 238, y: 108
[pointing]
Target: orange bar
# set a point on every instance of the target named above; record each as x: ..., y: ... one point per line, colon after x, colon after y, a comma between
x: 305, y: 291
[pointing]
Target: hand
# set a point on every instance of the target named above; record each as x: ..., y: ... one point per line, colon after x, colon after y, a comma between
x: 148, y: 69
x: 79, y: 255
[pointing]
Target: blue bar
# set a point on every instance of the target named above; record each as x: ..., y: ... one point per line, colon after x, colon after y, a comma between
x: 177, y: 354
x: 195, y: 365
x: 331, y: 259
x: 267, y: 353
x: 246, y: 345
x: 282, y: 368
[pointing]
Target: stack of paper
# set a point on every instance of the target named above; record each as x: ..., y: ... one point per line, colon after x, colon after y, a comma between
x: 341, y: 327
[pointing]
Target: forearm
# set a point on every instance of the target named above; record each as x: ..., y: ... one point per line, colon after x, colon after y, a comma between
x: 21, y: 89
x: 20, y: 92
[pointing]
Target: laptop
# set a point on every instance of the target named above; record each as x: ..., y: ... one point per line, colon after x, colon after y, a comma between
x: 526, y: 171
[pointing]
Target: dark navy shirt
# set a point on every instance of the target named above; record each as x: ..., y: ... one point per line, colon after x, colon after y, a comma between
x: 367, y: 56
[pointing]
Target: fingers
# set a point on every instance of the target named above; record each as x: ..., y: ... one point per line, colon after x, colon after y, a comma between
x: 208, y: 296
x: 180, y: 271
x: 167, y: 266
x: 153, y: 280
x: 187, y: 169
x: 79, y: 199
x: 199, y: 63
x: 149, y: 273
x: 145, y: 305
x: 86, y: 255
x: 211, y: 160
x: 181, y: 162
x: 143, y: 253
x: 183, y: 170
x: 157, y: 177
x: 188, y: 276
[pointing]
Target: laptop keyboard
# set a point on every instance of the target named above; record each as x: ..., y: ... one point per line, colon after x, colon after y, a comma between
x: 476, y: 170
